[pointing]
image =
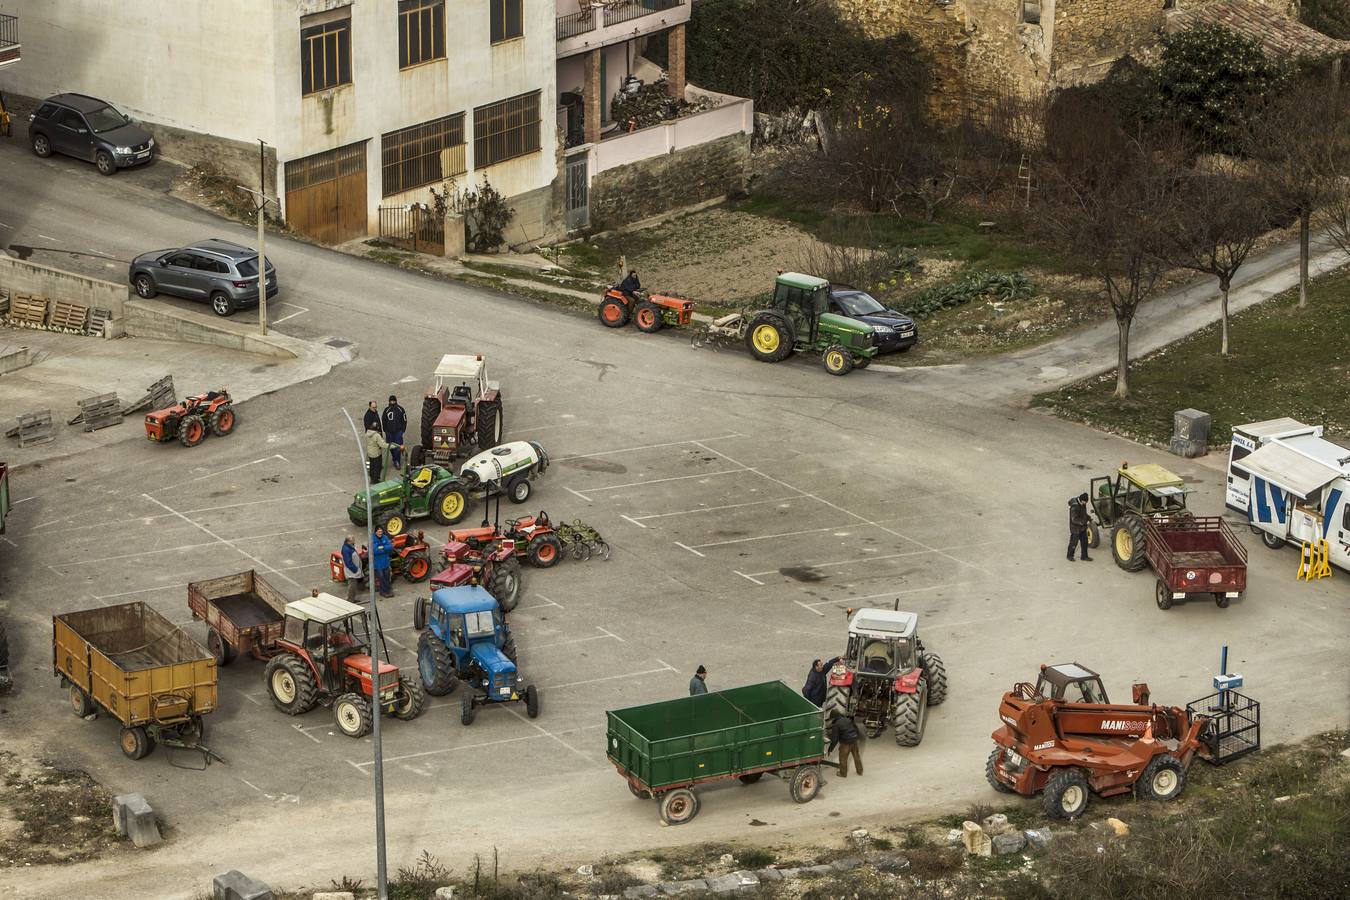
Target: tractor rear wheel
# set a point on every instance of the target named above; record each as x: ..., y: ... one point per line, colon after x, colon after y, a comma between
x: 991, y: 771
x: 411, y: 701
x: 531, y: 701
x: 769, y: 338
x: 466, y: 710
x: 489, y: 426
x: 647, y: 318
x: 678, y: 806
x: 223, y: 651
x: 509, y: 648
x: 1066, y: 794
x: 936, y: 674
x: 417, y: 456
x: 544, y: 551
x: 837, y: 360
x: 417, y: 566
x: 613, y: 313
x: 1128, y: 543
x: 290, y: 684
x: 836, y: 702
x: 135, y: 743
x: 191, y: 431
x: 911, y: 716
x: 80, y: 703
x: 223, y: 421
x: 504, y: 584
x: 419, y: 613
x: 1164, y: 778
x: 805, y: 784
x: 431, y: 410
x: 1162, y: 594
x: 435, y: 665
x: 352, y: 714
x: 449, y: 504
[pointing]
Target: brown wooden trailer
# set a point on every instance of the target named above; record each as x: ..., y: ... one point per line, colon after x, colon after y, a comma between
x: 243, y: 614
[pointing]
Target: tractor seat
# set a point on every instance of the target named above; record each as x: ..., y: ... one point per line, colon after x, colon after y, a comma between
x: 422, y: 480
x: 461, y: 392
x: 878, y: 664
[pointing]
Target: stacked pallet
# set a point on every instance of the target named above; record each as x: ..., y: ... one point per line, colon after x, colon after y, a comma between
x: 23, y: 310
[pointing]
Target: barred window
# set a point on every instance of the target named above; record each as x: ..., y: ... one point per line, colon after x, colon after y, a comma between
x: 1031, y: 12
x: 325, y: 50
x: 507, y: 21
x: 505, y: 130
x: 421, y: 31
x: 422, y: 154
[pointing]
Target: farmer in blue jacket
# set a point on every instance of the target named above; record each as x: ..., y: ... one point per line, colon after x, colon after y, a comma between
x: 380, y: 554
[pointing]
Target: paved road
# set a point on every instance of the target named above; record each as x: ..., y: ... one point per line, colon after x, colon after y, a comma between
x: 748, y: 506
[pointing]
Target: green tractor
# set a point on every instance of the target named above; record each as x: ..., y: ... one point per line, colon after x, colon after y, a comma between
x: 1119, y: 504
x: 798, y: 318
x: 426, y: 490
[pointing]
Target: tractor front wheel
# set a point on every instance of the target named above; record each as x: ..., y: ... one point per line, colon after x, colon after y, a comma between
x: 393, y: 523
x: 290, y: 684
x: 135, y: 743
x: 647, y: 318
x: 449, y: 505
x: 678, y: 806
x: 419, y: 613
x: 435, y: 665
x: 1164, y: 778
x: 769, y: 338
x: 1094, y: 535
x: 544, y: 551
x: 411, y: 700
x: 504, y: 584
x: 991, y: 771
x: 1128, y: 542
x: 911, y: 716
x: 489, y: 426
x: 417, y: 566
x: 466, y: 710
x: 509, y: 648
x: 223, y: 421
x: 191, y: 431
x: 531, y: 701
x: 805, y: 784
x: 1066, y: 794
x: 837, y: 360
x: 613, y: 313
x: 936, y: 675
x: 352, y: 714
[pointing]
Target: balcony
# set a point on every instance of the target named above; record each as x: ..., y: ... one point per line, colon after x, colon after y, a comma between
x: 602, y: 24
x: 9, y: 39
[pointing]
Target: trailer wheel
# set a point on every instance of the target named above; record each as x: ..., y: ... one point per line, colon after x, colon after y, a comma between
x: 1094, y: 535
x: 412, y: 700
x: 466, y: 711
x: 678, y: 806
x: 836, y: 702
x: 544, y: 551
x: 936, y: 675
x: 518, y: 489
x: 805, y: 784
x: 1066, y: 794
x: 290, y: 684
x: 911, y: 716
x: 135, y: 743
x: 991, y: 771
x: 435, y: 665
x: 223, y: 651
x: 1128, y: 543
x: 1163, y: 594
x: 1222, y: 600
x: 1273, y: 541
x: 639, y: 792
x: 751, y: 778
x: 419, y: 613
x: 503, y: 583
x: 1164, y: 778
x: 80, y: 702
x: 531, y: 701
x: 352, y: 714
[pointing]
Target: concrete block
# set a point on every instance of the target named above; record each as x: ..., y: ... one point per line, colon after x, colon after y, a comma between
x: 447, y: 892
x: 819, y: 870
x: 235, y: 885
x: 1187, y: 449
x: 334, y: 895
x: 976, y: 841
x: 639, y: 890
x: 1191, y: 425
x: 1010, y: 842
x: 135, y: 819
x: 954, y: 836
x: 1038, y: 838
x: 766, y: 875
x: 790, y: 872
x: 847, y: 864
x: 995, y: 824
x: 726, y: 884
x: 683, y: 887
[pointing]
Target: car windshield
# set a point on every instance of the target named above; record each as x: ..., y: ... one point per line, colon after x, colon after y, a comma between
x: 105, y: 119
x: 859, y: 304
x: 249, y: 267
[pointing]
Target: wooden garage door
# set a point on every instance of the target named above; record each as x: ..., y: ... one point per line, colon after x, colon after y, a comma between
x: 326, y: 194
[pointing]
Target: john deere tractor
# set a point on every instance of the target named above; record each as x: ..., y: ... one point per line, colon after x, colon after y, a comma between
x: 421, y: 491
x: 798, y: 318
x: 1119, y: 503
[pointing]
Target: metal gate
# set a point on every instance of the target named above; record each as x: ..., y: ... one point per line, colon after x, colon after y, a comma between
x: 326, y: 194
x: 578, y: 193
x: 416, y: 228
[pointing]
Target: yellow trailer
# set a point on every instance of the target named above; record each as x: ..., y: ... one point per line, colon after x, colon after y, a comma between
x: 138, y: 667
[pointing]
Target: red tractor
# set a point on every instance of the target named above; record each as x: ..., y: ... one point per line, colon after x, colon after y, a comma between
x: 649, y: 312
x: 532, y: 538
x: 411, y: 559
x: 490, y: 565
x: 189, y: 420
x: 324, y: 656
x: 461, y: 409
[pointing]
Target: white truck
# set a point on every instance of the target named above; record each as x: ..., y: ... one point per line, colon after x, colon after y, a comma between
x: 1292, y: 484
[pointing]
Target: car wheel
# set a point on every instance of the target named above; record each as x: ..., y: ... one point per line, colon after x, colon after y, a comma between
x: 145, y: 286
x: 222, y: 305
x: 41, y: 146
x: 106, y: 166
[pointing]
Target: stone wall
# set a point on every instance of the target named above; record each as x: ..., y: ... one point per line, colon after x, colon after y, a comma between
x: 1091, y: 34
x: 685, y: 177
x: 22, y: 277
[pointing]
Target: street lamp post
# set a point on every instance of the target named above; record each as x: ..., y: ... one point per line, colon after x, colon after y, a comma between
x: 260, y: 204
x: 381, y: 865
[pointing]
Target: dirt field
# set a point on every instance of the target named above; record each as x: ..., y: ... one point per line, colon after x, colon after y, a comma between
x: 51, y: 815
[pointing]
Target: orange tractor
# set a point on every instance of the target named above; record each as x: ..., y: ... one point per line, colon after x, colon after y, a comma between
x: 531, y: 537
x: 411, y: 559
x: 649, y: 312
x: 189, y: 420
x: 1065, y: 740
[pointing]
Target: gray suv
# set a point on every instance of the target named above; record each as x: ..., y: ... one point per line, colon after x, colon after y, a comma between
x: 91, y: 130
x: 223, y: 272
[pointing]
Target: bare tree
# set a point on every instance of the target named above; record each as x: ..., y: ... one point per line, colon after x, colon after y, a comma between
x: 1219, y: 215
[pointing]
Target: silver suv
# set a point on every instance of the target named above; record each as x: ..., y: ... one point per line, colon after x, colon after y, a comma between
x: 222, y: 272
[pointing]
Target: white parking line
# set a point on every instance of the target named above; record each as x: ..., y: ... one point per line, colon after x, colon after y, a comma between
x: 297, y: 727
x: 178, y: 484
x: 615, y: 487
x: 703, y: 509
x: 547, y: 602
x: 748, y: 578
x: 933, y: 587
x: 362, y: 766
x: 769, y: 537
x: 302, y: 311
x: 558, y: 687
x: 549, y: 734
x: 808, y: 608
x: 593, y: 637
x: 849, y: 562
x: 143, y: 519
x: 162, y: 587
x: 615, y: 636
x: 644, y: 447
x: 634, y: 521
x: 687, y: 547
x: 578, y: 493
x: 222, y: 540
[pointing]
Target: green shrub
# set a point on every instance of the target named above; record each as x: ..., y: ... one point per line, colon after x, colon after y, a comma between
x: 977, y: 285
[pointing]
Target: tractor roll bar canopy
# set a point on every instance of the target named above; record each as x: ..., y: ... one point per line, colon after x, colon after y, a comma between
x: 883, y: 623
x: 323, y: 609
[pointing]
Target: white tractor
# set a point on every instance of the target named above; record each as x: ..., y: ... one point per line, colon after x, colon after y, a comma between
x: 507, y: 469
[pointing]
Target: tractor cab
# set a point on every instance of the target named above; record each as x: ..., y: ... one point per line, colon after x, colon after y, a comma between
x: 802, y: 300
x: 469, y: 621
x: 461, y: 408
x: 1072, y: 683
x: 460, y: 380
x: 882, y: 642
x: 1147, y: 490
x: 333, y: 636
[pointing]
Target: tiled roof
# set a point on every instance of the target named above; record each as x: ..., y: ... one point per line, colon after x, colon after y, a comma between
x: 1278, y: 34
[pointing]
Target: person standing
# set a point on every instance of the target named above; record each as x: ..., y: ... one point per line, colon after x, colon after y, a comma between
x: 351, y: 569
x: 814, y: 689
x: 372, y: 419
x: 375, y: 447
x: 395, y: 423
x: 699, y: 683
x: 380, y: 553
x: 1078, y: 525
x: 844, y: 733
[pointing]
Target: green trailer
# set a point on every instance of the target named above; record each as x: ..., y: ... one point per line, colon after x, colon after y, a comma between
x: 663, y: 749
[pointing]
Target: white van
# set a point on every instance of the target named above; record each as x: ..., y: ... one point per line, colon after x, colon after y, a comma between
x: 1292, y: 484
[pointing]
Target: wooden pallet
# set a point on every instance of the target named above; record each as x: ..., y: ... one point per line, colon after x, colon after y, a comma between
x: 27, y: 308
x: 33, y: 428
x: 98, y: 321
x: 4, y: 302
x: 67, y: 315
x: 99, y: 412
x: 157, y: 396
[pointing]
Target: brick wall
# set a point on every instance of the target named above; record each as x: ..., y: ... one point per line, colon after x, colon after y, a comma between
x: 643, y: 189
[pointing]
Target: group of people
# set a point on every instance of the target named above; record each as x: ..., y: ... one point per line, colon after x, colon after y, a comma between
x: 380, y: 556
x: 384, y: 432
x: 843, y: 730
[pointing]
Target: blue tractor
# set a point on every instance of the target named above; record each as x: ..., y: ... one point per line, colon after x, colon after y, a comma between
x: 466, y: 638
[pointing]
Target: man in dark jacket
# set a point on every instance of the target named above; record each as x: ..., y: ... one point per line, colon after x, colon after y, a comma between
x: 372, y: 419
x: 699, y: 683
x: 395, y: 423
x: 630, y: 285
x: 844, y: 733
x: 1078, y: 525
x: 814, y: 689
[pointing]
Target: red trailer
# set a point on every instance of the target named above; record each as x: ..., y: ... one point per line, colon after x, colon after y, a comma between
x: 243, y: 614
x: 1195, y: 555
